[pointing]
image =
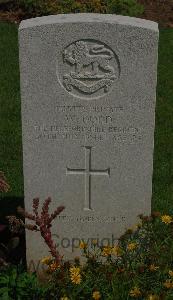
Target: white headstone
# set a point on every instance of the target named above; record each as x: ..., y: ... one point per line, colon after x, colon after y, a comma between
x: 88, y: 85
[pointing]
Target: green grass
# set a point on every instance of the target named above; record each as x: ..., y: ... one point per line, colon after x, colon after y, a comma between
x: 10, y: 119
x: 163, y: 153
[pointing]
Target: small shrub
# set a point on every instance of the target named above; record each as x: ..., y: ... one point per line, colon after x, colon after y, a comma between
x: 15, y: 283
x: 46, y: 7
x: 124, y: 7
x: 94, y: 6
x: 31, y: 7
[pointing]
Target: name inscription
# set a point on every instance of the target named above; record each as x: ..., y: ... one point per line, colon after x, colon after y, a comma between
x: 91, y: 123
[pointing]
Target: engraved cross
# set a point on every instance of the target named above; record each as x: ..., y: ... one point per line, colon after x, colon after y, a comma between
x: 88, y: 172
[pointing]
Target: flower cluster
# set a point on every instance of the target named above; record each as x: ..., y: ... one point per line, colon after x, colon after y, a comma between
x: 75, y: 275
x: 131, y: 246
x: 52, y: 264
x: 166, y: 219
x: 168, y: 284
x: 107, y: 250
x: 135, y: 292
x: 96, y: 295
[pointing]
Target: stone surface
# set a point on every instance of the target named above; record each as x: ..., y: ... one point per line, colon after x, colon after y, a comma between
x: 88, y: 85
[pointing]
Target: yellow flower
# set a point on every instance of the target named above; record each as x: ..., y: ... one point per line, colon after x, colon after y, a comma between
x: 46, y: 260
x: 94, y: 242
x: 170, y: 273
x: 75, y: 275
x: 134, y: 228
x: 135, y: 292
x: 116, y: 250
x: 64, y: 298
x: 107, y: 250
x: 153, y: 297
x: 54, y: 266
x: 96, y: 295
x: 153, y: 268
x: 131, y: 246
x: 166, y: 219
x: 168, y: 284
x: 82, y: 245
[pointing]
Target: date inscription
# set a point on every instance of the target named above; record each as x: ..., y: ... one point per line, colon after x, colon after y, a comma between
x: 91, y: 123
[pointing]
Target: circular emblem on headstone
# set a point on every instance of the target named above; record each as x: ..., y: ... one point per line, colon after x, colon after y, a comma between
x: 89, y: 69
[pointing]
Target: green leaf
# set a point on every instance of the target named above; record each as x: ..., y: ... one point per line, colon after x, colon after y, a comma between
x: 4, y: 279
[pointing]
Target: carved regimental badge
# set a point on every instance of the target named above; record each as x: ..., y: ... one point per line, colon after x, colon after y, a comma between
x: 90, y: 68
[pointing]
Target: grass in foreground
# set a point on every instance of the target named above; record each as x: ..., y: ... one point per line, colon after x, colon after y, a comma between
x: 163, y: 153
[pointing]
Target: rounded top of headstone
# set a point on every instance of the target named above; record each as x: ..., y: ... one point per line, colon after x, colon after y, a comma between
x: 87, y: 18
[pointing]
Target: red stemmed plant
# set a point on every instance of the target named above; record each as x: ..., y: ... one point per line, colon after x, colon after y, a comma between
x: 4, y: 186
x: 43, y: 223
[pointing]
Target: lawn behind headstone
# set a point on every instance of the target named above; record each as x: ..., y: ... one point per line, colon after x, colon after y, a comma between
x: 10, y: 118
x: 163, y: 153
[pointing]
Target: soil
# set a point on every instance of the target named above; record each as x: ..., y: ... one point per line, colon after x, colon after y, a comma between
x: 160, y: 11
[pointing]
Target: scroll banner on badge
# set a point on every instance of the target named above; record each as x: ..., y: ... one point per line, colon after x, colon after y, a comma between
x: 70, y: 82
